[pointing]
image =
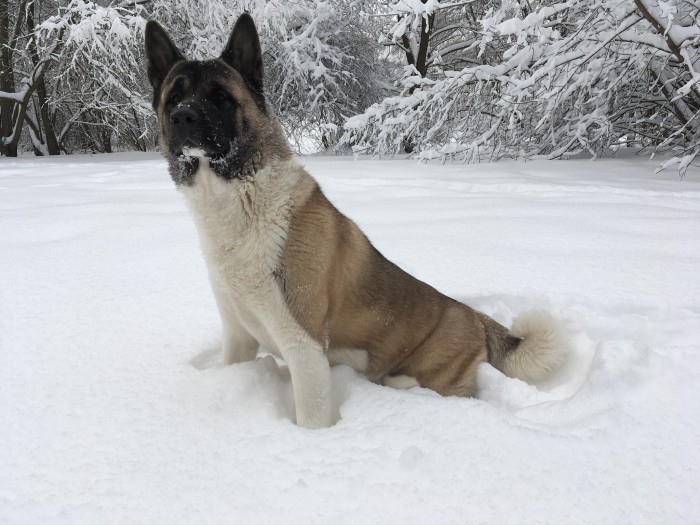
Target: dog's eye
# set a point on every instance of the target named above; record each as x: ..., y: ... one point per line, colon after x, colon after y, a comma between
x: 175, y: 98
x: 219, y: 97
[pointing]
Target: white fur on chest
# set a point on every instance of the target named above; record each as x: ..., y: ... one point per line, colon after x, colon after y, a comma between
x: 243, y: 226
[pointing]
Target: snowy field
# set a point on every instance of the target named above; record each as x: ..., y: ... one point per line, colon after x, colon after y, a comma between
x: 114, y: 407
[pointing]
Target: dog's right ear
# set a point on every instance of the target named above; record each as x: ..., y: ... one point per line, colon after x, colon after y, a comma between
x: 161, y: 55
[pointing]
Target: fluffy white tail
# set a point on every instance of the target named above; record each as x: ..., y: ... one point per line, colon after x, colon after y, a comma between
x: 543, y: 347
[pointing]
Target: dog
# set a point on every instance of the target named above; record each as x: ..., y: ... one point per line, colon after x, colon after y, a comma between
x: 290, y: 272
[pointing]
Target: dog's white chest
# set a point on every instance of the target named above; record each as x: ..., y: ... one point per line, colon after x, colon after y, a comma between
x: 243, y: 227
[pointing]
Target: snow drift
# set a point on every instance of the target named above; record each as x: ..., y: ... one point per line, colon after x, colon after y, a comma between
x: 114, y: 406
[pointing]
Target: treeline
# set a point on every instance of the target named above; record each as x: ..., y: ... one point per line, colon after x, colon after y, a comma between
x: 461, y: 80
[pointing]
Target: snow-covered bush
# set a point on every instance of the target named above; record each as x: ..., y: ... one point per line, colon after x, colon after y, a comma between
x: 99, y: 92
x: 321, y: 67
x: 549, y: 79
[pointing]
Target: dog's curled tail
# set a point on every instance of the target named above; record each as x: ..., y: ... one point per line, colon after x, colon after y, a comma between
x: 534, y: 347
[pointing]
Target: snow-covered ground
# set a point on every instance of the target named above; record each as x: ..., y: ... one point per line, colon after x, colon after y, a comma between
x: 115, y: 409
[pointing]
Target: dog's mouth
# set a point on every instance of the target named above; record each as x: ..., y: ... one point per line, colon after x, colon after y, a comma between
x: 191, y: 151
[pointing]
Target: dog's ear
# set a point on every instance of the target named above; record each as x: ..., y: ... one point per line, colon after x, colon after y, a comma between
x: 161, y: 55
x: 243, y: 53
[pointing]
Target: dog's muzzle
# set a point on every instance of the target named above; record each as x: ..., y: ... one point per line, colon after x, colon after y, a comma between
x: 192, y: 134
x: 185, y: 124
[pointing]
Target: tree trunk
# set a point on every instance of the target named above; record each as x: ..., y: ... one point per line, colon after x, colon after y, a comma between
x: 46, y: 123
x: 419, y: 61
x: 7, y: 81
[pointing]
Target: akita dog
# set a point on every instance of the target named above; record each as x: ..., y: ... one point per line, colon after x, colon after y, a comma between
x: 293, y: 274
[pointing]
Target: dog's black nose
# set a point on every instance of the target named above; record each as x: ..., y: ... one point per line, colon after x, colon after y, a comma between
x: 184, y: 117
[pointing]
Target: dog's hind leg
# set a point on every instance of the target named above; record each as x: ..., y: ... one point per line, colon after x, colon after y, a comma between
x: 237, y: 345
x: 311, y: 380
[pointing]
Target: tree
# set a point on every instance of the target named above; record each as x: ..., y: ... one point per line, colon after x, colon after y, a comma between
x: 7, y: 83
x: 93, y: 50
x: 551, y: 79
x: 100, y: 92
x: 20, y: 53
x: 321, y: 65
x: 433, y: 37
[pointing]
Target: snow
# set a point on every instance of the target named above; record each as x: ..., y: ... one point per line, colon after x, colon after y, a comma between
x: 114, y: 407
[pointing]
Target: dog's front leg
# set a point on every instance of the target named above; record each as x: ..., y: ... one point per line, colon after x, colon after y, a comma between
x: 237, y: 345
x: 311, y: 380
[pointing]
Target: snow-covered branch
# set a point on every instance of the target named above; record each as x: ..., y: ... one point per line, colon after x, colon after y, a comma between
x: 555, y: 80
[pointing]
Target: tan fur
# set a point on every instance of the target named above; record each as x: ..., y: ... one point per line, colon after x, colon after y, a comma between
x: 347, y: 295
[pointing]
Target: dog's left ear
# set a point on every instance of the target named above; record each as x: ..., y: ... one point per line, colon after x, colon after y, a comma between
x: 243, y: 53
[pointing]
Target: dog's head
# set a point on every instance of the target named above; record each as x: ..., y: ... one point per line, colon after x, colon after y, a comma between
x: 212, y: 109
